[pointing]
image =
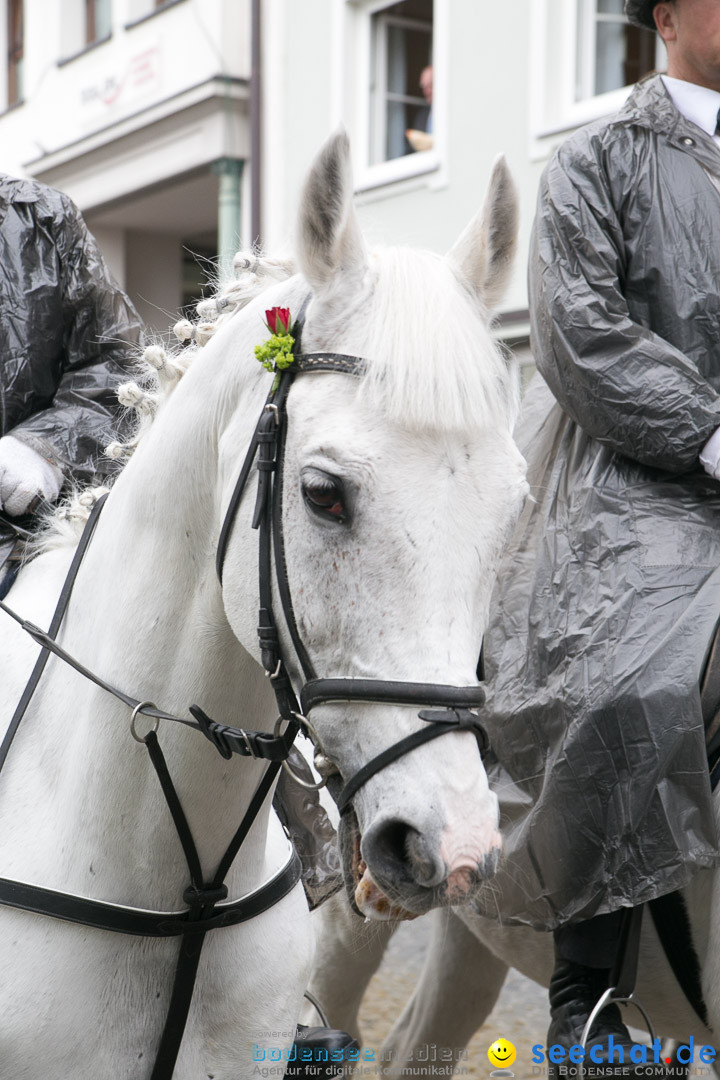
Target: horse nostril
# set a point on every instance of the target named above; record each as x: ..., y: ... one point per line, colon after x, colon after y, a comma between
x: 395, y: 849
x: 428, y: 870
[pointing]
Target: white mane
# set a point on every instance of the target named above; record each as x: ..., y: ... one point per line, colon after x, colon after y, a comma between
x: 432, y: 362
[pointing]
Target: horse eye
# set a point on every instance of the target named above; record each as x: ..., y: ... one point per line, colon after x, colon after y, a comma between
x: 325, y: 497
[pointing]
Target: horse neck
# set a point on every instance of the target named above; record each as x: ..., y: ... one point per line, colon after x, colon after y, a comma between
x: 147, y: 615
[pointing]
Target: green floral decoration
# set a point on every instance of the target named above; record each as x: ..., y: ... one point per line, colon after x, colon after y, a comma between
x: 276, y: 354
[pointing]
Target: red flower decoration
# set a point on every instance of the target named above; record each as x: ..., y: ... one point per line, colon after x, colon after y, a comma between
x: 278, y: 320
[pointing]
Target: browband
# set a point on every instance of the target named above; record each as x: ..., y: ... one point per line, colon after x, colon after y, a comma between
x: 339, y: 363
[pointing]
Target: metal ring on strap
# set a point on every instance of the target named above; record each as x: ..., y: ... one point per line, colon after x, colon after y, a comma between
x: 139, y: 708
x: 316, y: 785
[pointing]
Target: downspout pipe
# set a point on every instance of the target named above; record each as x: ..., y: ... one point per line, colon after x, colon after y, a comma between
x: 255, y: 123
x: 229, y: 213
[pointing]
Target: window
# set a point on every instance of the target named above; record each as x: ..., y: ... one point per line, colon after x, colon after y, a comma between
x: 610, y: 52
x: 98, y: 21
x: 584, y: 60
x: 401, y: 83
x: 15, y: 51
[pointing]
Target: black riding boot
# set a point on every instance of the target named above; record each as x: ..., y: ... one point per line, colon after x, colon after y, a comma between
x: 585, y: 955
x: 321, y: 1053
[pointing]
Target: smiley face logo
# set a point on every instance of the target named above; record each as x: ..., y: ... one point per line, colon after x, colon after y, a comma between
x: 502, y: 1053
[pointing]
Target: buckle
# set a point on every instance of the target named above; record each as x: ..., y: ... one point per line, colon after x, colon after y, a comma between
x: 212, y: 731
x: 208, y: 894
x: 459, y: 719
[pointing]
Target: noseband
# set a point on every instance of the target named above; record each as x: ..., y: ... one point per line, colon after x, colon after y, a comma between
x: 452, y: 704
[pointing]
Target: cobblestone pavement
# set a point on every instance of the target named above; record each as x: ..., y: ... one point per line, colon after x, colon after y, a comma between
x: 520, y: 1014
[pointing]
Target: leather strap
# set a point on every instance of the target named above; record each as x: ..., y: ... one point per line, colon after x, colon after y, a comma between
x: 672, y: 924
x: 387, y: 692
x: 226, y: 739
x: 139, y: 922
x: 268, y: 513
x: 439, y: 724
x: 201, y: 897
x: 179, y: 1007
x: 624, y: 974
x: 278, y: 543
x: 339, y: 363
x: 236, y: 497
x: 57, y: 618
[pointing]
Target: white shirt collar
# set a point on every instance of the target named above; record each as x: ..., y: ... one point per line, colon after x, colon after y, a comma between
x: 698, y: 104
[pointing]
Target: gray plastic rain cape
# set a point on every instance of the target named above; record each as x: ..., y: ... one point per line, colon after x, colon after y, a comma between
x: 67, y: 333
x: 609, y: 597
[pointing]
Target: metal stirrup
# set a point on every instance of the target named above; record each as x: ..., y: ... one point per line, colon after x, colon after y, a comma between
x: 611, y: 997
x: 623, y: 978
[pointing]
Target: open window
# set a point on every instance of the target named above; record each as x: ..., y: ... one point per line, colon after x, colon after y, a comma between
x: 611, y: 53
x: 401, y: 82
x: 98, y: 21
x: 585, y: 59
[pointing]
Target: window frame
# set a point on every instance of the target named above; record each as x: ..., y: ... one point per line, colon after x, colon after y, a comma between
x: 352, y: 97
x: 380, y: 94
x: 586, y: 50
x: 92, y: 36
x: 556, y: 47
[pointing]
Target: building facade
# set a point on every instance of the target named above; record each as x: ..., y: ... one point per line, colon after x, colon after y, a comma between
x: 147, y: 114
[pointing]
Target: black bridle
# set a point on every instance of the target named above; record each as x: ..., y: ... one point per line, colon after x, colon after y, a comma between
x: 207, y: 907
x: 452, y: 703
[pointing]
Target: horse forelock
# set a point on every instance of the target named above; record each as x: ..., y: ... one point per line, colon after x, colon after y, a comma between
x: 431, y: 361
x: 439, y: 368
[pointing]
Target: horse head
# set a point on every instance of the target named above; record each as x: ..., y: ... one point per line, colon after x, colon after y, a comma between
x: 401, y: 484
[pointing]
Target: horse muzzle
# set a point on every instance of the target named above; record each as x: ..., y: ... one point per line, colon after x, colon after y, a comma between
x: 392, y: 872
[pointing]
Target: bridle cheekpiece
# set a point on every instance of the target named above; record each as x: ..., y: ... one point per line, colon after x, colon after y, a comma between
x: 451, y: 705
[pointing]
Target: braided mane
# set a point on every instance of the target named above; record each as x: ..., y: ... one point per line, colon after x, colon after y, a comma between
x: 159, y: 370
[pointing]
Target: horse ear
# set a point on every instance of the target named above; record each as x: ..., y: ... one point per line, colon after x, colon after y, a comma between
x: 482, y: 257
x: 329, y: 234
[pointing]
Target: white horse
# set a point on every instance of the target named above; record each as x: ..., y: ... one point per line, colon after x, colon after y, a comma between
x: 465, y: 967
x: 468, y: 958
x: 418, y: 455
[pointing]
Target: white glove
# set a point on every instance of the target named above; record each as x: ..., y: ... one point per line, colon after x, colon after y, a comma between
x: 25, y: 477
x: 710, y: 455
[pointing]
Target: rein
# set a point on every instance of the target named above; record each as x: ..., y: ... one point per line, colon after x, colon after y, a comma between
x: 207, y: 908
x: 207, y: 905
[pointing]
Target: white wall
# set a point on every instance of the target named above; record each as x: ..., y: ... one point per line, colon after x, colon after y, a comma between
x: 144, y: 66
x: 166, y: 95
x: 112, y: 243
x: 130, y: 127
x: 483, y: 49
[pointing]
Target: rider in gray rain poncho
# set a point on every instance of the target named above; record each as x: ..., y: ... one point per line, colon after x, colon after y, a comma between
x: 608, y: 601
x: 67, y: 339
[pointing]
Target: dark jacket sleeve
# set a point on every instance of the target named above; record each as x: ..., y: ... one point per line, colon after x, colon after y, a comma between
x: 623, y: 384
x: 101, y: 336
